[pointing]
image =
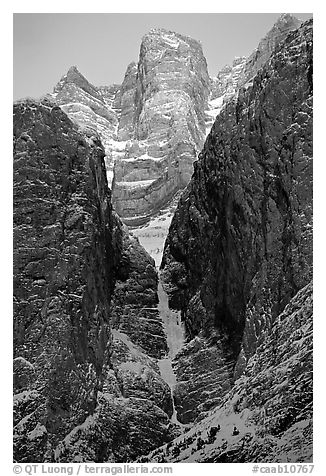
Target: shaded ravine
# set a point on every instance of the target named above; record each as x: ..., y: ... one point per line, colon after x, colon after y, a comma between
x: 174, y: 330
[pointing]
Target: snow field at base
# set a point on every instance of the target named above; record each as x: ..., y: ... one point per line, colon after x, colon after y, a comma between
x: 152, y: 235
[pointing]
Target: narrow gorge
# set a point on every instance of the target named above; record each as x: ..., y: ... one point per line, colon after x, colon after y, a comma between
x: 163, y: 259
x: 174, y: 330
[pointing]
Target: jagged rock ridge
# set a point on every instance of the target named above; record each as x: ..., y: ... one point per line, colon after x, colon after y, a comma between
x: 152, y: 127
x: 154, y: 124
x: 93, y: 107
x: 240, y: 243
x: 232, y: 77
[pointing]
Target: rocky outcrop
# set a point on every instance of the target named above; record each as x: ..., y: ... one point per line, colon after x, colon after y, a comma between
x: 227, y: 80
x: 163, y: 99
x: 134, y: 304
x: 94, y: 365
x: 128, y: 103
x: 63, y: 275
x: 239, y: 245
x: 92, y: 107
x: 267, y: 416
x: 232, y: 77
x: 75, y: 377
x: 258, y: 58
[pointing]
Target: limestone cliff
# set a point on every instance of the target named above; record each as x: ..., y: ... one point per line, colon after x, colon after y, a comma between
x: 275, y: 36
x: 92, y: 107
x: 239, y: 245
x: 163, y: 99
x: 134, y: 304
x: 93, y: 373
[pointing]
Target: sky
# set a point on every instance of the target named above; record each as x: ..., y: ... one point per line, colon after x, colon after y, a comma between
x: 101, y: 45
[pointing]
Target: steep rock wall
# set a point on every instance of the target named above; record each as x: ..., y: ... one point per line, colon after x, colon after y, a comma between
x: 134, y: 304
x: 63, y: 272
x: 232, y: 77
x: 260, y: 56
x: 92, y: 107
x: 239, y: 245
x: 163, y: 99
x: 70, y: 254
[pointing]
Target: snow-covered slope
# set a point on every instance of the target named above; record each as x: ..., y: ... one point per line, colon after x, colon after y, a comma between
x: 152, y: 234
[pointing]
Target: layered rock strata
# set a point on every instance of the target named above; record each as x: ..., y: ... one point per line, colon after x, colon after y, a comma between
x: 75, y: 377
x: 240, y: 243
x: 152, y: 127
x: 163, y: 99
x: 92, y: 107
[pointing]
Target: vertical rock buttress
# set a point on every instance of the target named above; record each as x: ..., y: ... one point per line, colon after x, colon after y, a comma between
x: 163, y: 99
x: 240, y: 243
x: 86, y: 333
x: 63, y: 275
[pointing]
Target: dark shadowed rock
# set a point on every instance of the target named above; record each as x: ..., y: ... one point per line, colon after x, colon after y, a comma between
x: 90, y: 350
x: 71, y: 255
x: 260, y: 56
x: 63, y: 273
x: 112, y: 434
x: 241, y: 72
x: 231, y: 77
x: 134, y: 304
x: 240, y: 243
x: 267, y: 416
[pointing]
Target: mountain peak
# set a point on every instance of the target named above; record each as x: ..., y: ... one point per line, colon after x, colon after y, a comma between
x: 169, y: 39
x: 285, y: 17
x: 288, y: 21
x: 74, y: 76
x: 73, y: 70
x: 161, y: 31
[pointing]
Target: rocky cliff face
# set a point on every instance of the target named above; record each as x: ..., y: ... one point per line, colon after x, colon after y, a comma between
x: 267, y: 416
x: 239, y: 246
x: 227, y: 80
x: 152, y: 127
x: 92, y: 107
x: 258, y: 58
x: 154, y: 124
x: 163, y: 99
x: 135, y: 298
x: 73, y: 374
x: 63, y: 274
x: 94, y: 364
x: 232, y: 77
